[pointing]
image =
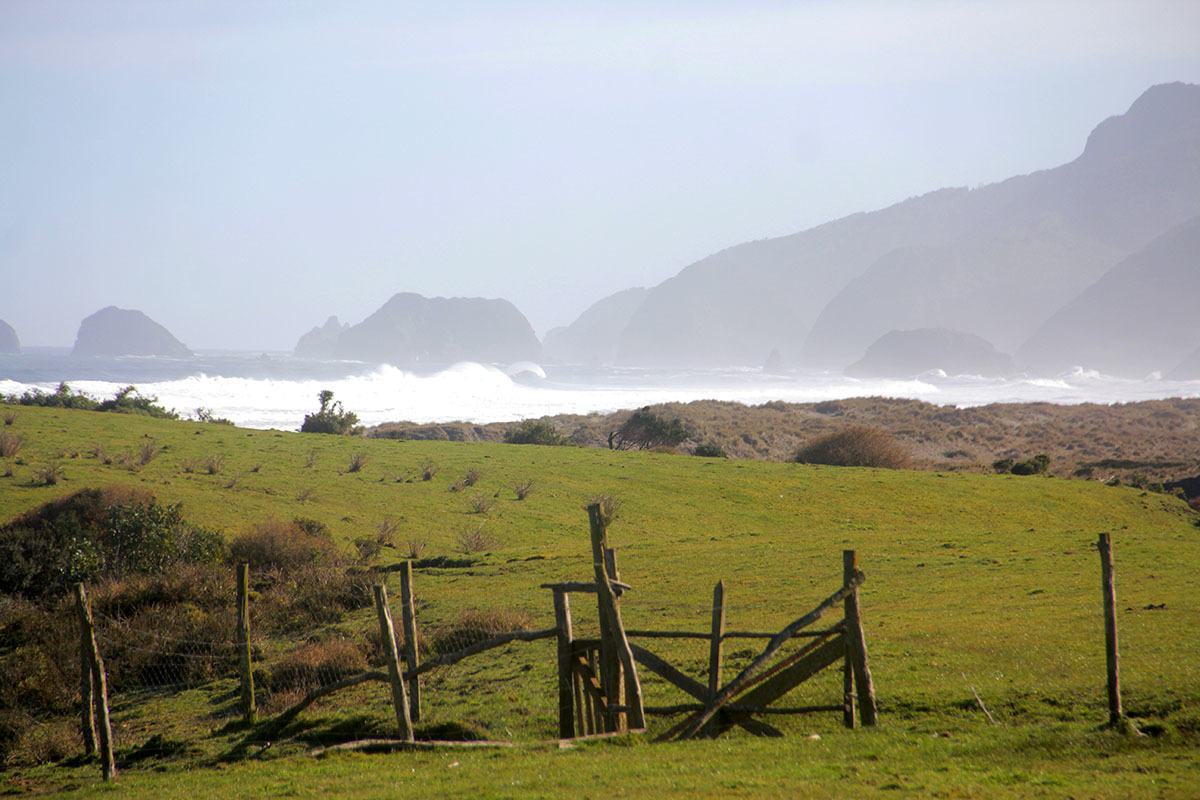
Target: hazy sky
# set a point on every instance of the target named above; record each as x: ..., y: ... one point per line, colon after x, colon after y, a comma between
x: 242, y: 170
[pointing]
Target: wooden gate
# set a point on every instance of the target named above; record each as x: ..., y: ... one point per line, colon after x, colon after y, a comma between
x: 599, y: 690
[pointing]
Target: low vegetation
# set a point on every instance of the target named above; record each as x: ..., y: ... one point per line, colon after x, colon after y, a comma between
x: 534, y: 431
x: 330, y: 417
x: 856, y: 446
x: 126, y: 401
x: 646, y: 430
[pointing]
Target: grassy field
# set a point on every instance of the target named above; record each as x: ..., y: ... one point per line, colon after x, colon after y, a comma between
x: 980, y: 581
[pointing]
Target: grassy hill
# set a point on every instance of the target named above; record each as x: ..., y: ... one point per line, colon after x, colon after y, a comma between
x: 980, y: 581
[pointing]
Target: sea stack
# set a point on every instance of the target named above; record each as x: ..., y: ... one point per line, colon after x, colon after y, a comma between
x: 116, y: 331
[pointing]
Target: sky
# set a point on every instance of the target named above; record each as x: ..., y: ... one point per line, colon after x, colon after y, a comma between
x: 242, y: 170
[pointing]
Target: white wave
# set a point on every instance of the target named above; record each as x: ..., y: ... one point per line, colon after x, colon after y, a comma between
x: 477, y: 393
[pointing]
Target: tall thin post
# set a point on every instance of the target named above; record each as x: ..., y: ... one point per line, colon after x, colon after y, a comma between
x: 716, y: 652
x: 858, y: 645
x: 108, y: 763
x: 566, y: 689
x: 387, y: 634
x: 408, y: 614
x: 611, y: 666
x: 1108, y: 584
x: 87, y: 707
x: 615, y: 637
x: 849, y: 711
x: 249, y: 708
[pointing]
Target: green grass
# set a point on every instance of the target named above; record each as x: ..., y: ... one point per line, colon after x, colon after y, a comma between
x: 972, y: 580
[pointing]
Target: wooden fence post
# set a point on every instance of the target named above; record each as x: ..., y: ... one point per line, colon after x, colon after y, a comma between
x: 612, y: 662
x: 614, y: 639
x: 566, y: 682
x: 849, y: 711
x: 108, y: 763
x: 716, y: 649
x: 87, y: 706
x: 858, y: 645
x: 1108, y: 584
x: 408, y: 614
x: 387, y: 634
x: 249, y: 708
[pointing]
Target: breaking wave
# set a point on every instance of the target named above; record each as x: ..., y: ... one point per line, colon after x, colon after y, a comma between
x: 479, y: 393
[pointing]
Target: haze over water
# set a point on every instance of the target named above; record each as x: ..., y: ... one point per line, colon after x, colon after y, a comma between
x: 275, y: 391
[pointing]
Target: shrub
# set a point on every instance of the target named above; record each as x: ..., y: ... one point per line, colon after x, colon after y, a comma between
x: 415, y: 548
x: 330, y: 417
x: 857, y: 446
x: 1002, y: 465
x: 147, y: 452
x: 472, y: 477
x: 429, y: 468
x: 274, y: 544
x: 534, y: 431
x: 97, y: 533
x: 481, y: 503
x: 477, y: 625
x: 357, y: 462
x: 523, y: 488
x: 129, y: 401
x: 48, y: 475
x: 10, y: 444
x: 206, y: 415
x: 10, y: 417
x: 317, y: 664
x: 709, y: 450
x: 610, y: 507
x: 476, y: 540
x: 647, y: 430
x: 62, y: 397
x: 1034, y: 466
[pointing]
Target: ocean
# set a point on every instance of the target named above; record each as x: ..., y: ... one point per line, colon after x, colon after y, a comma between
x: 275, y: 390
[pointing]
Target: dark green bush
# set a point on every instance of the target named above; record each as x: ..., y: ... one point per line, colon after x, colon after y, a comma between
x: 709, y: 450
x: 646, y: 430
x: 97, y: 533
x: 1034, y: 466
x: 534, y: 431
x: 330, y: 417
x: 126, y: 401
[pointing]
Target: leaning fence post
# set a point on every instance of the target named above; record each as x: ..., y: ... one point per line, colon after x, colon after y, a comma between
x: 249, y: 709
x: 387, y: 635
x: 108, y: 763
x: 858, y: 645
x: 716, y: 651
x: 408, y: 615
x: 614, y: 637
x: 87, y: 706
x: 1108, y: 585
x: 566, y: 689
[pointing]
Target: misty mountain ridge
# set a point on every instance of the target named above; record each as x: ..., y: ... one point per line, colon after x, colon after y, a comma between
x: 412, y: 330
x: 997, y: 261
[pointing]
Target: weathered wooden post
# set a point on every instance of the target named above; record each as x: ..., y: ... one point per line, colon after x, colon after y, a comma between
x: 566, y: 684
x: 614, y: 679
x: 857, y: 642
x: 716, y: 650
x: 612, y: 629
x: 108, y: 763
x: 1108, y: 584
x: 249, y: 708
x: 87, y: 706
x: 408, y: 614
x: 849, y: 712
x: 387, y: 634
